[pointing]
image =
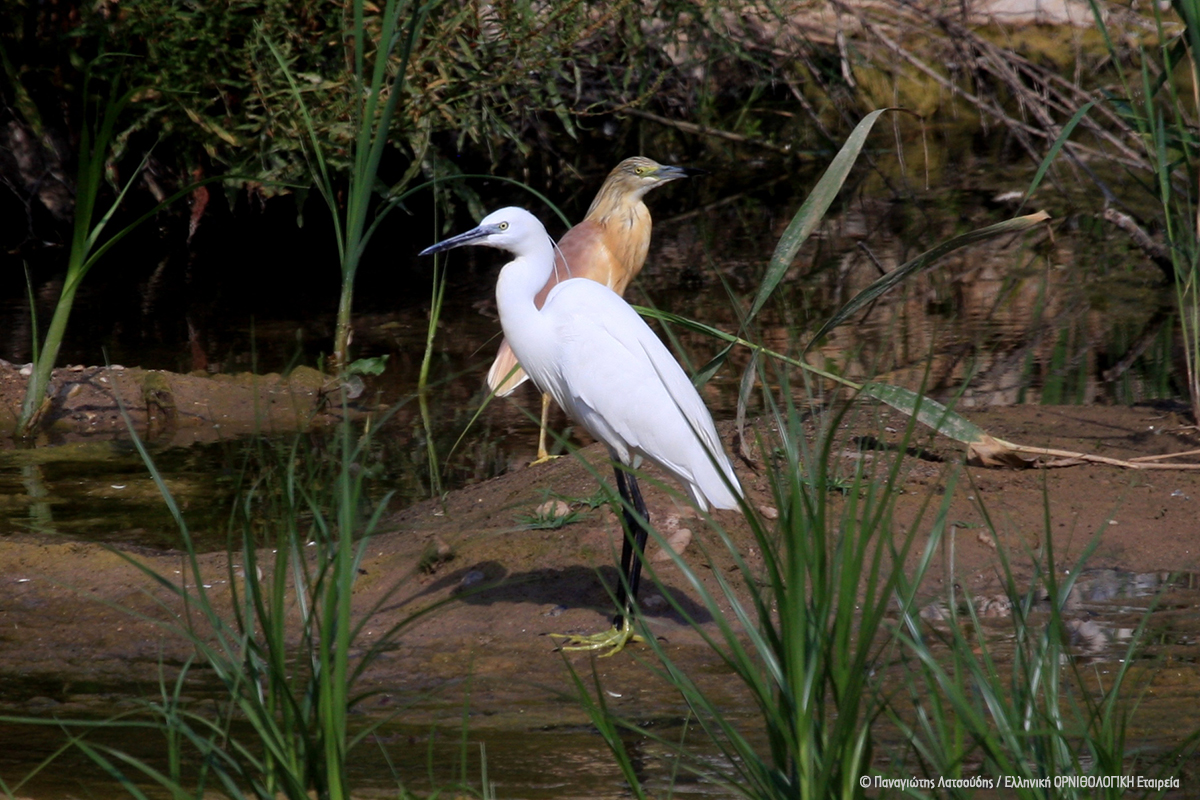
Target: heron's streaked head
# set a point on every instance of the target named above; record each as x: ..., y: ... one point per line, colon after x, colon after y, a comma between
x: 512, y: 229
x: 629, y: 181
x: 641, y: 171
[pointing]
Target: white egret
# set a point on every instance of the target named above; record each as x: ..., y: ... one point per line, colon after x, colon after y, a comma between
x: 589, y: 350
x: 608, y: 246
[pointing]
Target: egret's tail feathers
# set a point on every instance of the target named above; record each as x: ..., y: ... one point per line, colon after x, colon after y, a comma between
x: 717, y: 491
x: 506, y: 374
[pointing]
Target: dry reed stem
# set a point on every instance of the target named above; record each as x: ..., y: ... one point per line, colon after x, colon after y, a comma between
x: 999, y: 453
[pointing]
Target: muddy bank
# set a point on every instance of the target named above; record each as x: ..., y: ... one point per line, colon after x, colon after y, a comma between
x: 66, y: 644
x: 170, y: 408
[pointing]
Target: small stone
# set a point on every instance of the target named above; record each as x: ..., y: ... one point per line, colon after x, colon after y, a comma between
x: 240, y: 571
x: 770, y: 512
x: 436, y: 553
x: 471, y: 578
x: 552, y: 509
x: 994, y: 607
x: 654, y: 602
x: 678, y: 542
x: 934, y: 612
x: 1087, y: 634
x: 26, y: 370
x: 354, y: 387
x: 554, y: 611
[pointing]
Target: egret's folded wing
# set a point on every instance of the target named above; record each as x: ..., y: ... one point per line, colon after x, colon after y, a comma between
x: 628, y: 390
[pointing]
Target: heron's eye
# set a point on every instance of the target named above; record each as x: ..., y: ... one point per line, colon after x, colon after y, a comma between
x: 503, y: 226
x: 640, y: 171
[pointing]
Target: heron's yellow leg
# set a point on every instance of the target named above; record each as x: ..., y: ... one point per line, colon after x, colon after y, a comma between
x: 615, y: 639
x: 543, y: 455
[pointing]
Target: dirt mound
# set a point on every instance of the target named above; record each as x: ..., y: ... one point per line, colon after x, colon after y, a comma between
x: 167, y: 406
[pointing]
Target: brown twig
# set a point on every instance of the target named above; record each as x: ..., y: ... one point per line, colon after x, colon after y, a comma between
x: 1156, y: 251
x: 704, y: 130
x: 1000, y: 63
x: 1164, y: 456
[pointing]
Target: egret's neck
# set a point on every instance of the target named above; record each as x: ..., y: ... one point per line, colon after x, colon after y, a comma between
x: 519, y: 283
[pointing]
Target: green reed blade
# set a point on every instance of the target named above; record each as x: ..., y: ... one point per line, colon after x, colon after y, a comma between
x: 805, y: 221
x: 922, y: 262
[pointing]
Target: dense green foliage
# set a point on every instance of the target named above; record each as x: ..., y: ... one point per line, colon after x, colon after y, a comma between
x: 499, y: 78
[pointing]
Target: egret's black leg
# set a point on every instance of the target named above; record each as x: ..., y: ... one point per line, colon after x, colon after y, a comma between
x: 631, y: 574
x: 633, y: 548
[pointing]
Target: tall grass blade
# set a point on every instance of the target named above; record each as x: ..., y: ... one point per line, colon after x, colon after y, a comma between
x: 805, y: 221
x: 435, y: 310
x: 813, y: 209
x: 1164, y: 128
x: 87, y: 245
x: 94, y: 150
x: 1055, y: 148
x: 802, y: 632
x: 400, y: 29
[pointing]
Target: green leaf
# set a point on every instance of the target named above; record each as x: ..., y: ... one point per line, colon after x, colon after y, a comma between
x: 1055, y: 148
x: 812, y: 211
x: 368, y: 366
x: 928, y: 412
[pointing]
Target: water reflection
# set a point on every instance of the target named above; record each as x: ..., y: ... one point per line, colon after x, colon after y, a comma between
x: 1038, y: 318
x: 1102, y: 613
x: 102, y: 491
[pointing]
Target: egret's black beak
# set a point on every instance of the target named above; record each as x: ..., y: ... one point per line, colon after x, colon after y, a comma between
x: 470, y: 237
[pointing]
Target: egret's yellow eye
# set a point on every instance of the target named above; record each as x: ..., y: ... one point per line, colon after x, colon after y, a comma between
x: 503, y: 226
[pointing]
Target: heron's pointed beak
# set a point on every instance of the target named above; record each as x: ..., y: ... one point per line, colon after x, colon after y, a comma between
x: 672, y: 173
x: 470, y: 237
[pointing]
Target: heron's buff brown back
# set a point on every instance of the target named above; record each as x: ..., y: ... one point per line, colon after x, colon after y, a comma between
x: 498, y: 378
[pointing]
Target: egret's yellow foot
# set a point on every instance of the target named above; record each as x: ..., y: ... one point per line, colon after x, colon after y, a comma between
x: 542, y: 458
x: 616, y: 638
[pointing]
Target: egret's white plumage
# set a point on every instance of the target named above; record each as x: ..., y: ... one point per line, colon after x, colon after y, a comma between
x: 589, y: 350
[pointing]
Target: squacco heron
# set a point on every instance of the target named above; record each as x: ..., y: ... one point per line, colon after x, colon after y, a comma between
x: 589, y: 350
x: 608, y: 247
